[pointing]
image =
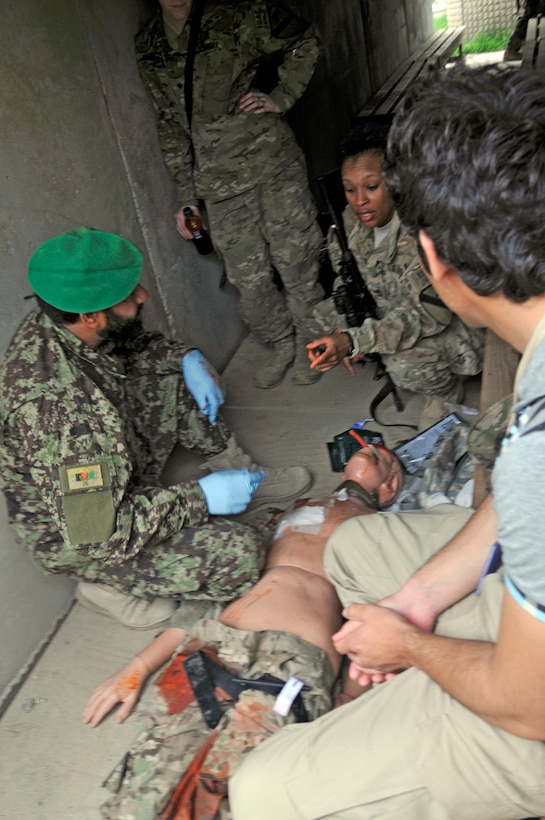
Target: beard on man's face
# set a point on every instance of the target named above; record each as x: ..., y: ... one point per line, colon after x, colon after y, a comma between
x: 121, y: 330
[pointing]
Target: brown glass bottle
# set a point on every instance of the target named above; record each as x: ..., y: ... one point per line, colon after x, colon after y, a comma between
x: 193, y: 223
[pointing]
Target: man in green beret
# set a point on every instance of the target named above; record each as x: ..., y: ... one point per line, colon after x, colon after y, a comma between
x: 91, y: 407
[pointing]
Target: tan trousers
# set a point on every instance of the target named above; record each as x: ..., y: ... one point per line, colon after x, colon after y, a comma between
x: 405, y: 750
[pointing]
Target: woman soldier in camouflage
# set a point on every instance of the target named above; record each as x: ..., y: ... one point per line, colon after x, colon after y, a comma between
x: 425, y: 348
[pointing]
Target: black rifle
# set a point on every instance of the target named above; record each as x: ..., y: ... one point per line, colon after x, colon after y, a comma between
x: 353, y: 299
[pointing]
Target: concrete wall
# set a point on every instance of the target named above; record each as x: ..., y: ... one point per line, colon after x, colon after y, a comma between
x: 481, y: 15
x: 79, y: 147
x: 363, y: 43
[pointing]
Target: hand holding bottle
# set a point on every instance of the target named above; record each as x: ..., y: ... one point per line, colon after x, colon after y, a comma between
x: 181, y: 227
x: 190, y: 225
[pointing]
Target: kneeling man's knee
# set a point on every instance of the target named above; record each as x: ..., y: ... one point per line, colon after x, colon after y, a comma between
x: 247, y: 792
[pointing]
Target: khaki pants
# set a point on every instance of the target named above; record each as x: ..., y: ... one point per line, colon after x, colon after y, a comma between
x: 405, y: 750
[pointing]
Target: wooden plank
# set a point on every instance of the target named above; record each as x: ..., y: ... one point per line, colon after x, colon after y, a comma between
x: 392, y: 81
x: 436, y: 53
x: 409, y: 76
x: 437, y: 50
x: 451, y: 41
x: 385, y: 90
x: 539, y: 59
x: 528, y: 54
x: 498, y: 376
x: 389, y: 105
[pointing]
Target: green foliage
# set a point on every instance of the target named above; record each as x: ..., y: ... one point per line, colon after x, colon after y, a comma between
x: 483, y: 41
x: 487, y: 41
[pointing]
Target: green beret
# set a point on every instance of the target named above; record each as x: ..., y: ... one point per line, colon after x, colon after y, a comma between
x: 84, y: 270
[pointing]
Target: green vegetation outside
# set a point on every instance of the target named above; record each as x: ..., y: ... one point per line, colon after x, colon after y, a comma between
x: 487, y: 41
x: 482, y: 42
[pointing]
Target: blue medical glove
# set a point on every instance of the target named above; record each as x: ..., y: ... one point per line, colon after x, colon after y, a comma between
x: 203, y: 383
x: 228, y: 492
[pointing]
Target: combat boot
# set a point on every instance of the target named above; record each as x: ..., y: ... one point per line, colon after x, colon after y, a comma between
x: 280, y: 485
x: 133, y: 612
x: 434, y: 409
x: 302, y: 374
x: 272, y: 372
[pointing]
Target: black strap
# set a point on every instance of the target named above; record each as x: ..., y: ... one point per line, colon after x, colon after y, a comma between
x: 196, y: 670
x: 387, y: 388
x: 194, y: 30
x: 432, y: 300
x: 204, y: 674
x: 357, y: 491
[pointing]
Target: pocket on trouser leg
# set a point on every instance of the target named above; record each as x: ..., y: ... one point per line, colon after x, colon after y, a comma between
x: 245, y: 726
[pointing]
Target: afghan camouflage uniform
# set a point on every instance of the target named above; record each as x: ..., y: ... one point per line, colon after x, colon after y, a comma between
x: 162, y: 752
x: 84, y: 437
x: 248, y: 168
x: 424, y: 347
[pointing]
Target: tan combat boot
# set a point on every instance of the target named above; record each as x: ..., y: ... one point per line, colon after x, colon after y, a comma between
x: 434, y: 409
x: 279, y: 485
x: 272, y: 372
x: 136, y: 613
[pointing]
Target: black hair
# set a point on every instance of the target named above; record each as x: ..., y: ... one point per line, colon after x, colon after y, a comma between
x: 369, y: 135
x: 465, y: 163
x: 59, y: 317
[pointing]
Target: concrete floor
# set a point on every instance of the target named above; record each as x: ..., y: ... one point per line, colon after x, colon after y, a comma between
x: 51, y: 764
x: 487, y: 58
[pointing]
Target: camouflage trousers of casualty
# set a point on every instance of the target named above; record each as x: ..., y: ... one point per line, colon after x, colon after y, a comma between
x: 217, y: 560
x: 161, y: 754
x: 271, y: 226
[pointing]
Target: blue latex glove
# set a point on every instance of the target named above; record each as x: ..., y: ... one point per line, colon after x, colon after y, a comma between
x: 203, y: 383
x: 228, y: 492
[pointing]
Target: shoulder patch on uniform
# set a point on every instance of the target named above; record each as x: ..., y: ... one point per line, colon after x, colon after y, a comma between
x: 435, y: 306
x: 84, y: 476
x: 261, y: 19
x: 86, y: 502
x: 283, y: 24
